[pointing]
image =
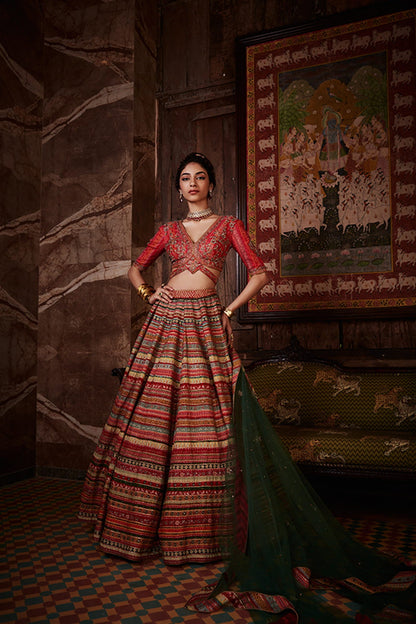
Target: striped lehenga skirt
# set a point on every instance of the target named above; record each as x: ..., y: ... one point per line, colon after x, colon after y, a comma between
x: 157, y: 478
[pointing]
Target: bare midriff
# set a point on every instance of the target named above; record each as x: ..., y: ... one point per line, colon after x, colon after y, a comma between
x: 191, y: 281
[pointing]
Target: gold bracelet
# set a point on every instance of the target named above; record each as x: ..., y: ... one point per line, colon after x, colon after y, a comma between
x: 228, y: 312
x: 145, y: 291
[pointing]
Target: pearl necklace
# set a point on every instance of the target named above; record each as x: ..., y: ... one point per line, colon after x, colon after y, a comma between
x: 201, y: 214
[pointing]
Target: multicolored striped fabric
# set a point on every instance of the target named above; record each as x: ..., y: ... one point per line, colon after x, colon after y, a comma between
x: 156, y: 481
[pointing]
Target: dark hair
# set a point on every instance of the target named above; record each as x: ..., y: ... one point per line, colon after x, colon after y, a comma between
x: 198, y: 158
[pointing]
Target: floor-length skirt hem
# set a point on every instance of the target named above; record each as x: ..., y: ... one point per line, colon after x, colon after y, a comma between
x: 141, y: 556
x: 156, y: 481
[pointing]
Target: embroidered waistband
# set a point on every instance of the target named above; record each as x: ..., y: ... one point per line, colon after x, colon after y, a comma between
x: 193, y: 294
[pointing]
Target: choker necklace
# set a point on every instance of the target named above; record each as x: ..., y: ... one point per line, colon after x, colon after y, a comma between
x: 201, y: 214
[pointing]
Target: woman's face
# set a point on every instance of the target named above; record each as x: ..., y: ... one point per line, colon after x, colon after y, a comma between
x: 194, y: 182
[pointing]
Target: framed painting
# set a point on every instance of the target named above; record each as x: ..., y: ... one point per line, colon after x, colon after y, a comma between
x: 327, y: 166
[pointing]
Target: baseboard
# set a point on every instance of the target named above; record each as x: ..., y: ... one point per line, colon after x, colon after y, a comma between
x: 341, y: 492
x: 19, y: 475
x: 67, y: 474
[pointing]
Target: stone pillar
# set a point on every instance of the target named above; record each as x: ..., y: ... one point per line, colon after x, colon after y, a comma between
x: 21, y: 96
x: 86, y: 213
x: 145, y: 215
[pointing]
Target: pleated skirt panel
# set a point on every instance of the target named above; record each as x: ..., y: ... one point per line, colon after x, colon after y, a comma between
x: 156, y: 481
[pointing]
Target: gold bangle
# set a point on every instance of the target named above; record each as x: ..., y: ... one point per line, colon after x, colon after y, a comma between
x: 145, y: 291
x: 228, y: 312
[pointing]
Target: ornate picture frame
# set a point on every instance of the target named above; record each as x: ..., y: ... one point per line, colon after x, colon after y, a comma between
x: 327, y: 166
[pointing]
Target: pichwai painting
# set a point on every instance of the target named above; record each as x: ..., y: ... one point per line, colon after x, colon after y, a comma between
x: 328, y: 167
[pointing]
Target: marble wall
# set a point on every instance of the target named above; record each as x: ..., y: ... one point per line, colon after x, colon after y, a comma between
x: 21, y: 95
x: 145, y: 213
x: 76, y: 128
x: 85, y: 238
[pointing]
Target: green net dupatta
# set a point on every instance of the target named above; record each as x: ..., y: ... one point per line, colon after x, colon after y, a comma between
x: 288, y: 559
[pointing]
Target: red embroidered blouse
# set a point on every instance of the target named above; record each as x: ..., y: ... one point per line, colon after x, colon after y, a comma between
x: 207, y: 254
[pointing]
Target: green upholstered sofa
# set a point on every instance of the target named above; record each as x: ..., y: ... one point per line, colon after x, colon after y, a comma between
x: 358, y: 422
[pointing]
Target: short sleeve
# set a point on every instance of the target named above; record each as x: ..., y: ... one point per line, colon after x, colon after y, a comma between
x: 155, y: 247
x: 241, y: 242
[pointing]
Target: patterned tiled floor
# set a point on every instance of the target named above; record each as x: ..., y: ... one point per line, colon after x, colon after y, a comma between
x: 52, y: 572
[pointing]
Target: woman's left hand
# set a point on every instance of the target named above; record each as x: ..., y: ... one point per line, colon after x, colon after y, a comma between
x: 226, y: 325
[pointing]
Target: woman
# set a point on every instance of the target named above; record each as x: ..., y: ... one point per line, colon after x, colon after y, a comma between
x: 156, y: 481
x: 184, y: 460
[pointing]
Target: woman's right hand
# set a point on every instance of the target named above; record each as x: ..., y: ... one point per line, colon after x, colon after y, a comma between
x: 163, y: 293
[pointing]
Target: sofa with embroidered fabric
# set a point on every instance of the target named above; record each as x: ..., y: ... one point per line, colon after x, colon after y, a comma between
x: 332, y: 419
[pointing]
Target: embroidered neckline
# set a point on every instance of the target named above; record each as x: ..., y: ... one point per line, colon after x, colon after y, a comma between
x: 198, y: 240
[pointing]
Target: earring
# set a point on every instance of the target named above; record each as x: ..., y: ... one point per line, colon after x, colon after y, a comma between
x: 180, y: 196
x: 210, y: 194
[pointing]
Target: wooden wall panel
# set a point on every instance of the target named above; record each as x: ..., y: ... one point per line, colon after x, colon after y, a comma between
x: 185, y: 44
x: 317, y: 335
x: 381, y: 334
x: 231, y: 19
